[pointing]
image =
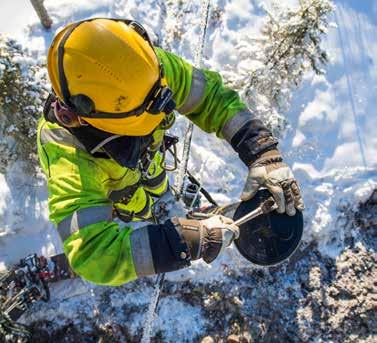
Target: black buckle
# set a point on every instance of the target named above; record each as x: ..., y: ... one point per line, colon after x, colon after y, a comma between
x: 163, y: 102
x: 169, y: 141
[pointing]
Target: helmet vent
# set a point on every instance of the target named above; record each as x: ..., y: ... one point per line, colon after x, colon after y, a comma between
x: 107, y: 71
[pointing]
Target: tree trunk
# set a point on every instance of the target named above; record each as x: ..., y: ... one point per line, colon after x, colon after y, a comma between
x: 42, y: 13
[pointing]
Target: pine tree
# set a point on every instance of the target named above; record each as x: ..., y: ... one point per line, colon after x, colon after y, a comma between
x: 23, y: 88
x: 289, y: 47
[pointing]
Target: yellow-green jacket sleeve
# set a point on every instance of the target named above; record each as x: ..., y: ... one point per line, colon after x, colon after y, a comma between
x: 201, y: 95
x: 101, y: 251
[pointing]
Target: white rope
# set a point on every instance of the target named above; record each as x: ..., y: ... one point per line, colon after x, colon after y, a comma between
x: 182, y: 171
x: 351, y: 95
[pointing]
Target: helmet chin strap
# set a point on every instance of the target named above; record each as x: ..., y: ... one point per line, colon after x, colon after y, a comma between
x: 48, y: 111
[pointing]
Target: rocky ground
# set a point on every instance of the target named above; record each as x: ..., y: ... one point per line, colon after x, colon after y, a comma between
x: 311, y: 298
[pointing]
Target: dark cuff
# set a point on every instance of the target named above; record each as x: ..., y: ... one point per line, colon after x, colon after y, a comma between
x: 252, y: 140
x: 169, y: 249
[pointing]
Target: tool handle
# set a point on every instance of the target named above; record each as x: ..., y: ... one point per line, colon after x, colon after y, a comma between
x: 265, y: 207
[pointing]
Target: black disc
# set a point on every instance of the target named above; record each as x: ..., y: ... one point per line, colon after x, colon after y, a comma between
x: 270, y: 238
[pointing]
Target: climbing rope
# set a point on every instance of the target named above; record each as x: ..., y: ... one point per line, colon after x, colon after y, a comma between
x: 351, y: 94
x: 182, y: 174
x: 182, y: 171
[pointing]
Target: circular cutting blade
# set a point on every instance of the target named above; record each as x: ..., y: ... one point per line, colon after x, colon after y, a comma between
x: 269, y: 238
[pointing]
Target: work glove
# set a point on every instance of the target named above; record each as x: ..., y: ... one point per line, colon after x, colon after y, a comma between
x: 207, y: 238
x: 269, y: 171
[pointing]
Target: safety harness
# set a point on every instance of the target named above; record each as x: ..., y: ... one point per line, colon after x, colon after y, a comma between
x: 133, y: 152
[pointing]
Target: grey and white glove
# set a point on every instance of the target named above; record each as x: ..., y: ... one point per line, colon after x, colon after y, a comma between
x: 207, y: 238
x: 271, y: 172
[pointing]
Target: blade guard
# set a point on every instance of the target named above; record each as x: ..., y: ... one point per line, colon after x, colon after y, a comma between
x: 270, y: 238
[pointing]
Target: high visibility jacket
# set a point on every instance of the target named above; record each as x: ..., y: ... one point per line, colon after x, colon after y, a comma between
x: 82, y: 189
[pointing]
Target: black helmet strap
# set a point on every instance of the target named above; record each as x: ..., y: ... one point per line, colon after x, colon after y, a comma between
x: 62, y: 79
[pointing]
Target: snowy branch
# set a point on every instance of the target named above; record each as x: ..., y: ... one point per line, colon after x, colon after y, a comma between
x: 289, y: 48
x: 23, y: 86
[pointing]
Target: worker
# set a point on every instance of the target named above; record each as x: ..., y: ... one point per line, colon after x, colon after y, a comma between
x: 101, y: 146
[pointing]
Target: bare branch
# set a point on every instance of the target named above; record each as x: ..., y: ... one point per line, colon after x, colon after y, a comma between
x: 42, y: 13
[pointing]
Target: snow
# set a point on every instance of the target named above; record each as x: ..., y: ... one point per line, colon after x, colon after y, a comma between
x: 187, y: 320
x: 331, y: 142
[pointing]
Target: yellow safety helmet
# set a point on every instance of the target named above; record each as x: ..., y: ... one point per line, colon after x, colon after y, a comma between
x: 107, y: 72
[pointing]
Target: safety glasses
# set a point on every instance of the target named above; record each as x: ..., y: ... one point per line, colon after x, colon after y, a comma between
x: 65, y: 116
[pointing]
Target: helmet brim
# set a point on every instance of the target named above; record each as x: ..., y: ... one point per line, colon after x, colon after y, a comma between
x: 141, y: 125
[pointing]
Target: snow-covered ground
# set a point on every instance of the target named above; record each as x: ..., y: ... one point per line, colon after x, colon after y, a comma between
x: 331, y: 143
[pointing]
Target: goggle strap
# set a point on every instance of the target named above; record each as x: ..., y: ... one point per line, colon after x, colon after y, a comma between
x: 148, y: 103
x: 136, y: 26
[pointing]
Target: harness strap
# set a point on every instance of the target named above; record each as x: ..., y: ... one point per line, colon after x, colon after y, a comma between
x: 124, y: 195
x: 128, y: 216
x: 154, y: 182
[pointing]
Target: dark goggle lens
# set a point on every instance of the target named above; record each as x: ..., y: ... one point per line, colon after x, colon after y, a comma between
x: 65, y: 116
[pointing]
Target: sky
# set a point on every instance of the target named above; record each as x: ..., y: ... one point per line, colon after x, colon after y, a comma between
x: 24, y: 15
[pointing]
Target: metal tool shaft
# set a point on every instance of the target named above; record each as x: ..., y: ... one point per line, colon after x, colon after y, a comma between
x: 251, y: 215
x: 266, y: 207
